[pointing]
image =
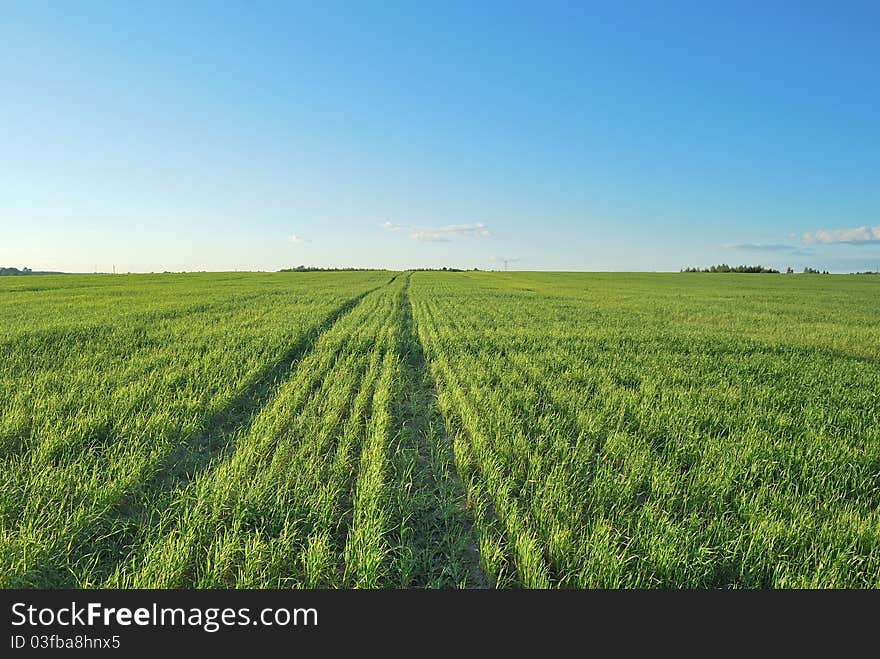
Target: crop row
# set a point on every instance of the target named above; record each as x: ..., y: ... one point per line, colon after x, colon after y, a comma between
x: 614, y: 448
x: 439, y: 430
x: 328, y: 487
x: 112, y: 398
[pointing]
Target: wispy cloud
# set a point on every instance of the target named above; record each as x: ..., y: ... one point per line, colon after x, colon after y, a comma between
x: 864, y: 235
x: 297, y: 239
x: 441, y: 234
x: 761, y: 247
x: 478, y: 230
x: 430, y: 237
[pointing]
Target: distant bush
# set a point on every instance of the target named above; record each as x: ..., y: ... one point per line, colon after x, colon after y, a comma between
x: 739, y: 268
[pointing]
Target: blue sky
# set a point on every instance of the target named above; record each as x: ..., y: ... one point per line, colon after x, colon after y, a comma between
x: 565, y: 136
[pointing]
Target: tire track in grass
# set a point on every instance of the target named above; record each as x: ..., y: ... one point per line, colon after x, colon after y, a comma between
x: 275, y: 471
x: 285, y: 484
x: 110, y: 543
x: 370, y: 545
x: 438, y: 541
x: 543, y: 535
x: 195, y: 456
x: 511, y: 551
x: 366, y: 543
x: 59, y: 348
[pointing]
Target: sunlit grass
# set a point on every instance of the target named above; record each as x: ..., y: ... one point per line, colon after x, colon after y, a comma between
x: 666, y: 430
x: 441, y: 430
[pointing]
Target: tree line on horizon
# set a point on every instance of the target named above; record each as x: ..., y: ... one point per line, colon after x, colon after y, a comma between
x: 723, y: 267
x: 304, y: 268
x: 15, y: 272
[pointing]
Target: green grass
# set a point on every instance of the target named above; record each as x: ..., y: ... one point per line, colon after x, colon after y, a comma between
x: 667, y: 430
x: 378, y: 429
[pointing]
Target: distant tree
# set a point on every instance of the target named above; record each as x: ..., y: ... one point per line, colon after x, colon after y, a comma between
x: 788, y: 270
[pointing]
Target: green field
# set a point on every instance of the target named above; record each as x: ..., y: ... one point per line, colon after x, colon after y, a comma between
x: 440, y: 429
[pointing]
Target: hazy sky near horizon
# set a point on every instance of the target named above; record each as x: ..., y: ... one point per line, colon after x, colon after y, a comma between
x: 566, y: 136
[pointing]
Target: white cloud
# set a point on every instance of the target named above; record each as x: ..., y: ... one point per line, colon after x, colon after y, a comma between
x: 854, y: 236
x: 297, y: 239
x: 443, y: 233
